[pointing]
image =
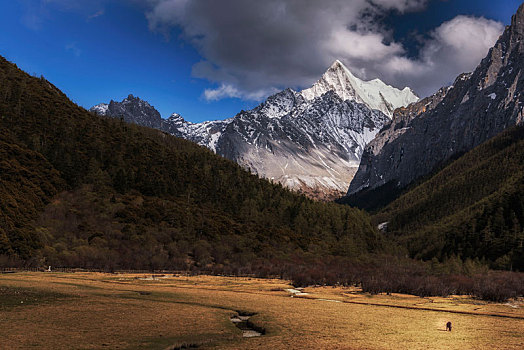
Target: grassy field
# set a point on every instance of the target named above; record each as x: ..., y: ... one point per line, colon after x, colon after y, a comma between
x: 132, y: 311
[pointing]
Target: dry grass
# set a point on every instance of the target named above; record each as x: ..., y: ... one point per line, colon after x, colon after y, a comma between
x: 92, y: 310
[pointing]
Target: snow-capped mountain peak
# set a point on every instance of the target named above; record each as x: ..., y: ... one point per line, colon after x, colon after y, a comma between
x: 374, y: 93
x: 310, y: 141
x: 132, y: 99
x: 133, y: 110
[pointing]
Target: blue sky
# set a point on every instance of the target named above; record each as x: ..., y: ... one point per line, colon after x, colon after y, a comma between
x: 100, y: 50
x: 108, y: 57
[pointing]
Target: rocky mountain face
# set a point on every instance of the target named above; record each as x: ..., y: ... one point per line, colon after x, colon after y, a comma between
x: 429, y: 133
x: 310, y: 141
x: 315, y: 147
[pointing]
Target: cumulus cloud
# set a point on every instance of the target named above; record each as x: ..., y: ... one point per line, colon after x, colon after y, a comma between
x: 252, y: 48
x: 227, y: 90
x: 222, y: 91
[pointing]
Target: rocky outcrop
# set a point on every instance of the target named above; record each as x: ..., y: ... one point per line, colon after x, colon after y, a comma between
x: 132, y: 110
x: 429, y: 133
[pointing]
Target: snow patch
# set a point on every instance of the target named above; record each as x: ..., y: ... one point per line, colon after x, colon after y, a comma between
x: 296, y: 292
x: 100, y: 109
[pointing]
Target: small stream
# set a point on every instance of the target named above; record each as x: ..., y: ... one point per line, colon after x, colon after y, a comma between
x: 249, y: 330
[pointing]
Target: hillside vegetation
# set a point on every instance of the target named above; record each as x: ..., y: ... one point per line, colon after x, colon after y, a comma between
x: 87, y: 191
x: 27, y: 183
x: 473, y: 208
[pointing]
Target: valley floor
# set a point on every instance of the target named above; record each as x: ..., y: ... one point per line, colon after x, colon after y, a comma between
x: 136, y: 311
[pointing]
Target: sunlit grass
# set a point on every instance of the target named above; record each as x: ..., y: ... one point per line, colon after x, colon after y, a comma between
x: 127, y: 311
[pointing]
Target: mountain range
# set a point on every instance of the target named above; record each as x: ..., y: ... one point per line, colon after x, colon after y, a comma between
x: 310, y: 141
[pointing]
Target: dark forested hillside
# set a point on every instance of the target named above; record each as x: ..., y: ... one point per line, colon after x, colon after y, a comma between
x: 82, y: 190
x: 473, y: 208
x: 27, y: 183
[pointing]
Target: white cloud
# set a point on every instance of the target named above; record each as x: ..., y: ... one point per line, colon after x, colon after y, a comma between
x: 228, y: 91
x: 469, y: 34
x: 366, y: 46
x: 455, y: 47
x: 252, y: 47
x: 225, y: 90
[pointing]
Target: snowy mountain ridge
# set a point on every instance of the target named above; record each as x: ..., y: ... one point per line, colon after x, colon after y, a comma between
x: 310, y: 141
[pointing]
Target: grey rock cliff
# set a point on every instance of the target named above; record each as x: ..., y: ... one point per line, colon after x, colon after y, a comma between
x: 430, y: 132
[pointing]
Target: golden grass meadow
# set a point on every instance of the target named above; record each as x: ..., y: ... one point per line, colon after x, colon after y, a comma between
x: 142, y: 311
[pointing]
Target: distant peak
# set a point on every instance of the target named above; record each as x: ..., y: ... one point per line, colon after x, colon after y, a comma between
x: 338, y: 66
x: 130, y: 99
x: 374, y: 93
x: 175, y: 117
x: 337, y: 63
